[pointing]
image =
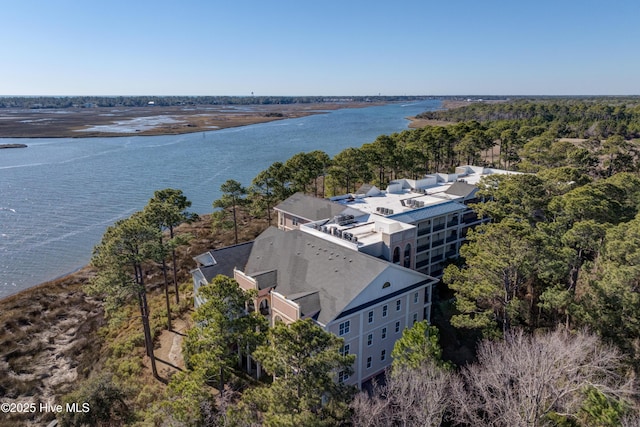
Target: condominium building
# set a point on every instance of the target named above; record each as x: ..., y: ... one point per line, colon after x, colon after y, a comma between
x: 361, y: 266
x: 362, y: 299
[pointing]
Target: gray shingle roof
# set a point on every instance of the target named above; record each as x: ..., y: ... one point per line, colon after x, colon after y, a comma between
x: 309, y: 207
x: 309, y: 303
x: 227, y: 259
x: 364, y: 188
x: 307, y: 264
x: 461, y: 189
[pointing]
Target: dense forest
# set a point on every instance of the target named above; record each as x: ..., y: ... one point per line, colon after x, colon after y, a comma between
x: 570, y: 118
x: 546, y: 295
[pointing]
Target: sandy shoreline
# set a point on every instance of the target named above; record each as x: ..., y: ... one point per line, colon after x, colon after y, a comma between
x: 49, y: 339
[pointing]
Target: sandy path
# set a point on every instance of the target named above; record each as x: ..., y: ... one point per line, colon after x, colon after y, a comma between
x: 168, y: 350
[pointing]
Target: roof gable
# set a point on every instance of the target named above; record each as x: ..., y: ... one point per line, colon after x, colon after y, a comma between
x: 393, y: 280
x: 368, y: 190
x: 462, y: 189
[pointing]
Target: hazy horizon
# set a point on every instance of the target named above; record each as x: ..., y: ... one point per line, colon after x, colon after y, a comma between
x: 461, y: 95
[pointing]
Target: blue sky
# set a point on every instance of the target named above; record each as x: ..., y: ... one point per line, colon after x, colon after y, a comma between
x: 345, y: 47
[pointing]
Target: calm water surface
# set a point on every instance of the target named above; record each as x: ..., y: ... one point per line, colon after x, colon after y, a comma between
x: 58, y: 196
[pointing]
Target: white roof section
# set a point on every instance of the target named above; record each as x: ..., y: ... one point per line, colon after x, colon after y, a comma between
x: 405, y: 200
x: 472, y: 174
x: 369, y: 213
x: 433, y: 211
x: 404, y: 196
x: 355, y: 232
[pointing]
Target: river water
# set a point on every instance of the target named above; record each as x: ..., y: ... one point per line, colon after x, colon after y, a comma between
x: 58, y: 196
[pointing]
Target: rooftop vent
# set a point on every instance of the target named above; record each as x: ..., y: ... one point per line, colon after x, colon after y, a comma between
x: 384, y: 211
x: 344, y: 219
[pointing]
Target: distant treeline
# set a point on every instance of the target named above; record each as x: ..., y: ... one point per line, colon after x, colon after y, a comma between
x: 569, y: 118
x: 169, y: 101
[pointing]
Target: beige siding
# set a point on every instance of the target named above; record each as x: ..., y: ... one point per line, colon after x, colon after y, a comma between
x: 245, y: 282
x: 288, y: 311
x: 382, y: 329
x: 289, y: 222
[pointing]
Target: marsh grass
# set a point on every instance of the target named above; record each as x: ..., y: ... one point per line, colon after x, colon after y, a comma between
x: 53, y: 338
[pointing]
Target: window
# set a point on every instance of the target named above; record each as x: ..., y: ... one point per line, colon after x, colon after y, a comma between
x: 264, y: 307
x: 369, y: 339
x: 342, y: 376
x: 397, y: 327
x: 383, y: 354
x: 371, y: 316
x: 295, y: 220
x: 386, y: 285
x: 396, y: 255
x: 415, y: 297
x: 407, y: 256
x: 384, y: 310
x: 281, y: 216
x: 398, y: 305
x: 344, y: 328
x: 368, y: 362
x: 345, y: 349
x: 384, y: 333
x: 415, y: 318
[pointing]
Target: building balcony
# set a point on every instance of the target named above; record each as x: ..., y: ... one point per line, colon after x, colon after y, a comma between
x: 437, y: 258
x: 452, y: 238
x: 451, y: 254
x: 453, y: 223
x: 438, y: 227
x: 424, y: 231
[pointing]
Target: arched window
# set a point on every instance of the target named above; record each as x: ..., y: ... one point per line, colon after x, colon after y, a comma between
x: 396, y: 255
x: 407, y: 255
x: 264, y: 307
